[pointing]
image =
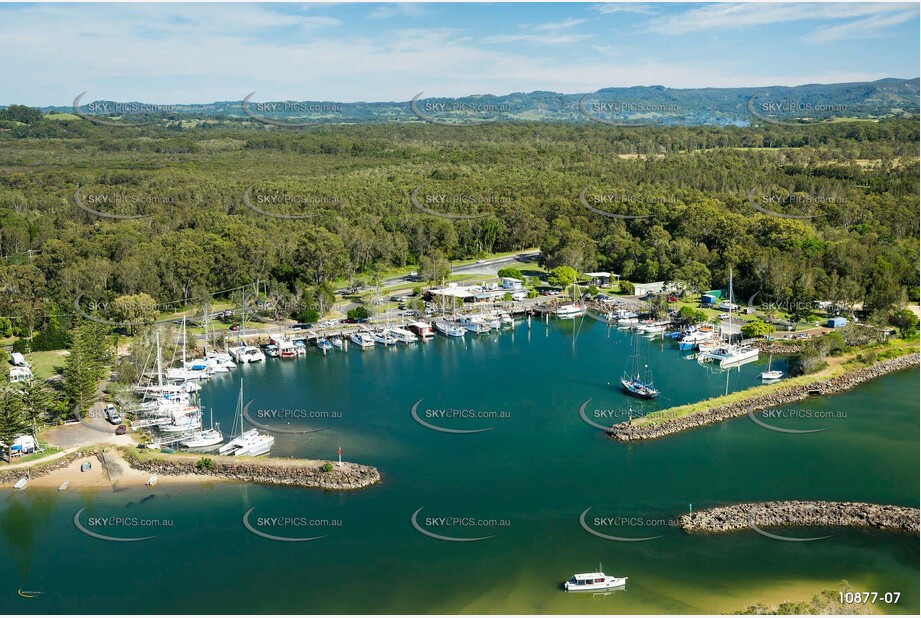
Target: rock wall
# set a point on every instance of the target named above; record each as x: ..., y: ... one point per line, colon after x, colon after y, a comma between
x: 626, y: 432
x: 802, y: 514
x: 268, y: 472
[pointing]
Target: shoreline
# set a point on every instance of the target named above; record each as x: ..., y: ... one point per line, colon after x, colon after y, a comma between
x: 758, y: 399
x: 128, y: 467
x: 802, y: 513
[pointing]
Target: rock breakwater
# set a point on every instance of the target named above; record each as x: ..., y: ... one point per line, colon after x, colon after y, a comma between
x: 631, y: 432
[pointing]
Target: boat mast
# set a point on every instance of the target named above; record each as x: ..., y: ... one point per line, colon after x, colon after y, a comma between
x: 159, y: 363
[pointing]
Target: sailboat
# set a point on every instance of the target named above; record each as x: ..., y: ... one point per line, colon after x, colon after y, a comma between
x: 250, y: 443
x: 730, y: 354
x: 633, y: 380
x: 572, y: 309
x: 206, y: 437
x: 776, y: 374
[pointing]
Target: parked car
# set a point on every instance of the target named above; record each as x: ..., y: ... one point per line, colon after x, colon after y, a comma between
x: 234, y: 327
x: 301, y: 326
x: 112, y: 415
x: 121, y: 430
x: 673, y: 299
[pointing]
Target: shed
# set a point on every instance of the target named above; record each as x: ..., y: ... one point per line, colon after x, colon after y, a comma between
x: 708, y: 299
x: 837, y: 322
x: 18, y: 359
x: 717, y: 294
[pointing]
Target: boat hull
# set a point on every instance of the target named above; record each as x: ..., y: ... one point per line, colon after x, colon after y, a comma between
x: 608, y: 584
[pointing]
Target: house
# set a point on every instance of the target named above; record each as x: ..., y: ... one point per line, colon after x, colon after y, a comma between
x: 20, y: 374
x: 510, y: 283
x: 837, y: 322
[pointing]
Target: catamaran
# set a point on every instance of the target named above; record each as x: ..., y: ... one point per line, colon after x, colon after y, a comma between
x: 249, y: 443
x: 593, y: 582
x: 636, y: 380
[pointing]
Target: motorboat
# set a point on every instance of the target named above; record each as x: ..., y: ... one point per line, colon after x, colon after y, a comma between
x: 300, y: 348
x: 730, y: 355
x: 449, y: 330
x: 250, y: 354
x: 324, y: 345
x: 692, y: 339
x: 570, y: 310
x: 336, y: 342
x: 384, y: 337
x: 286, y: 348
x: 506, y: 320
x: 271, y: 351
x: 403, y: 335
x: 363, y: 339
x: 474, y: 324
x: 593, y: 582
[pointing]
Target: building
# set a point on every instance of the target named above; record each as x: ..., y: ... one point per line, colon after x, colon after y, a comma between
x: 601, y: 278
x: 711, y: 297
x: 20, y: 374
x: 510, y: 283
x: 656, y: 287
x: 837, y: 322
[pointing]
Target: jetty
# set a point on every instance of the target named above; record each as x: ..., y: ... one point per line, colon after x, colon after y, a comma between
x: 319, y: 474
x: 801, y: 513
x: 693, y: 416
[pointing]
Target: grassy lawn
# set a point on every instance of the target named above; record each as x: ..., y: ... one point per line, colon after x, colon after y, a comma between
x: 48, y: 452
x: 46, y: 364
x: 837, y: 365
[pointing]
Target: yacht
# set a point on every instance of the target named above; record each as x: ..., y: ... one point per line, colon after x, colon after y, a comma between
x: 570, y: 310
x: 384, y: 337
x: 635, y: 380
x: 362, y: 339
x: 206, y: 437
x: 249, y: 443
x: 324, y: 345
x: 286, y: 348
x: 768, y: 375
x: 249, y: 354
x: 271, y: 351
x: 404, y: 335
x: 692, y: 339
x: 336, y: 342
x: 474, y: 324
x: 654, y: 329
x: 506, y: 320
x: 593, y: 582
x: 729, y: 354
x: 187, y: 418
x: 449, y: 330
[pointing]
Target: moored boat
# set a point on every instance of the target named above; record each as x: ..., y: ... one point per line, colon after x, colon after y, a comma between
x: 593, y: 582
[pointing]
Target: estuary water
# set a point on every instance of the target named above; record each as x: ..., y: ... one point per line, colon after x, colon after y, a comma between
x: 520, y: 486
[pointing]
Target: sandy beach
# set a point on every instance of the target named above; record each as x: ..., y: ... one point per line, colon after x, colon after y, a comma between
x: 116, y: 473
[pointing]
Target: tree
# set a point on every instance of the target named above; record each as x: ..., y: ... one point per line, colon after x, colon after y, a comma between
x: 692, y: 316
x: 562, y: 276
x: 320, y: 255
x: 756, y: 328
x: 692, y: 276
x: 359, y: 313
x: 37, y: 402
x: 135, y: 310
x: 907, y: 322
x: 511, y: 272
x: 13, y: 421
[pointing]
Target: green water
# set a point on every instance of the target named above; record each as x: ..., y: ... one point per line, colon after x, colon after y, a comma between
x: 535, y: 472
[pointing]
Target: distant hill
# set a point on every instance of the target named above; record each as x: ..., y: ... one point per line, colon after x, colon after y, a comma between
x: 634, y: 105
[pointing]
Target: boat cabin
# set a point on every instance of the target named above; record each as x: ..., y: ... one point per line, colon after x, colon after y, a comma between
x: 586, y: 579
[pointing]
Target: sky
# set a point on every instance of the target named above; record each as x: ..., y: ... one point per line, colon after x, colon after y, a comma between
x: 199, y: 53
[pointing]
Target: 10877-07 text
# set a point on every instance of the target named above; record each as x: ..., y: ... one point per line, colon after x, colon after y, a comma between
x: 862, y: 598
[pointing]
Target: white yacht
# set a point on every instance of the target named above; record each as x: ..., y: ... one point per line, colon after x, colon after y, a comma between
x: 593, y: 582
x: 693, y: 339
x: 474, y: 324
x: 384, y: 337
x: 449, y: 330
x: 250, y: 354
x: 770, y: 374
x: 251, y: 443
x: 404, y: 335
x: 363, y: 339
x: 506, y: 320
x: 271, y: 351
x: 570, y: 310
x: 204, y: 439
x: 186, y: 418
x: 731, y: 355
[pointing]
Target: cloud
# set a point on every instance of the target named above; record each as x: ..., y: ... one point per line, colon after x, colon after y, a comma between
x: 624, y: 7
x: 547, y: 33
x: 730, y: 16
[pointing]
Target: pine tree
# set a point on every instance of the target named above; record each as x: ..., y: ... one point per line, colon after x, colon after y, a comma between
x: 13, y: 421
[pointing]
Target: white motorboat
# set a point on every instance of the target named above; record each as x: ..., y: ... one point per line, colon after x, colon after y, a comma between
x: 474, y: 324
x: 179, y: 374
x: 450, y: 330
x: 654, y: 329
x: 384, y: 337
x: 694, y: 338
x: 404, y: 335
x: 593, y: 582
x: 271, y: 351
x: 336, y: 341
x: 286, y: 348
x: 363, y: 339
x: 570, y: 310
x: 250, y: 354
x: 506, y: 320
x: 730, y: 355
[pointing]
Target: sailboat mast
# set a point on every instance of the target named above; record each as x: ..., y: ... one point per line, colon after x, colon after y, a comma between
x: 159, y: 362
